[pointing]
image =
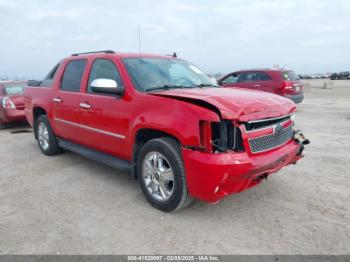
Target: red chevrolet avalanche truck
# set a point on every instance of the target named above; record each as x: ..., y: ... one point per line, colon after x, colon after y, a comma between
x: 162, y: 118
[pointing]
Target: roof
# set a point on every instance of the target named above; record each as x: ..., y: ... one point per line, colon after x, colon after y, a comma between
x: 262, y: 69
x: 120, y: 54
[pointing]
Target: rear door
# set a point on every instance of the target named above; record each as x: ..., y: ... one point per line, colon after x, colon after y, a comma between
x: 104, y: 117
x: 264, y: 82
x: 248, y: 80
x: 66, y: 111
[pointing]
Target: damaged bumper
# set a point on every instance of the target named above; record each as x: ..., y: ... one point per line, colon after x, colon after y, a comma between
x: 210, y: 177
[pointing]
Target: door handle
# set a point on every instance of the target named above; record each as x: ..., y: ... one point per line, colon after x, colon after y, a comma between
x: 85, y: 105
x: 256, y: 85
x: 57, y: 100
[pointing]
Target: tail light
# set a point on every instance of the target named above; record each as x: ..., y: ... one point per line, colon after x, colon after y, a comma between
x: 205, y: 135
x: 287, y: 85
x: 7, y: 103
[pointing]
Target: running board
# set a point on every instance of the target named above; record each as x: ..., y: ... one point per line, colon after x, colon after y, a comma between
x: 97, y: 156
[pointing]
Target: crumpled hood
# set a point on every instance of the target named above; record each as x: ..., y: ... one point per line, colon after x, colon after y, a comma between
x: 236, y: 103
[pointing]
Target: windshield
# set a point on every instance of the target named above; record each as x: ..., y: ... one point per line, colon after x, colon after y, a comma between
x: 164, y: 73
x: 14, y: 89
x: 290, y: 75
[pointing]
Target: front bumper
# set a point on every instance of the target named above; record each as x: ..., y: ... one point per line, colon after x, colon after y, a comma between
x: 210, y: 177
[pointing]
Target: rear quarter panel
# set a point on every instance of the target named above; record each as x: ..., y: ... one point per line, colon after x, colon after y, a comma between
x: 36, y: 97
x: 277, y: 82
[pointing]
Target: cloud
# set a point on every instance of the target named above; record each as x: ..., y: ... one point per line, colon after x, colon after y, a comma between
x: 219, y: 36
x: 53, y: 15
x: 7, y: 3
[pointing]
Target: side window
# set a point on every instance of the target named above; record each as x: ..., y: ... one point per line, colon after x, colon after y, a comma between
x: 103, y: 68
x: 47, y: 81
x: 264, y: 77
x: 73, y: 75
x: 248, y: 77
x: 231, y: 79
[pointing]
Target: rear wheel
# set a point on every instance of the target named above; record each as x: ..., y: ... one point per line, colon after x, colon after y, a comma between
x: 161, y: 175
x: 47, y: 140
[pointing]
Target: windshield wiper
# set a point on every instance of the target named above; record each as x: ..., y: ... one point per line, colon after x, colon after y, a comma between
x: 164, y: 87
x: 206, y: 85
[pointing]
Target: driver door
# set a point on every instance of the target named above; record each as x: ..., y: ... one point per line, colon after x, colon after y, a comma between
x: 104, y: 117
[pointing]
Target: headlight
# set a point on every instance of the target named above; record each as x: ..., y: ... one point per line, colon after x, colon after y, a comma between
x: 292, y: 116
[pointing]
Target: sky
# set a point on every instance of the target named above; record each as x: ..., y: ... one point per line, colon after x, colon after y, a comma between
x: 308, y: 36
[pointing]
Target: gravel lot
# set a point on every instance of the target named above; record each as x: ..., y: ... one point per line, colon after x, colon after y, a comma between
x: 70, y: 205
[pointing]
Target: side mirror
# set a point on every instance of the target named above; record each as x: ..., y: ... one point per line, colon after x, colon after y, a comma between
x: 34, y: 83
x: 106, y: 86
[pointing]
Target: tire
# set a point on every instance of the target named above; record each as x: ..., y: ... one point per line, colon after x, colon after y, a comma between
x: 176, y: 196
x: 50, y: 146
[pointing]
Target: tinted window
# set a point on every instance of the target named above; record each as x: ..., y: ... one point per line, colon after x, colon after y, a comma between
x: 49, y: 78
x: 73, y: 75
x: 248, y: 77
x: 231, y: 79
x: 290, y: 75
x: 264, y: 77
x: 103, y: 68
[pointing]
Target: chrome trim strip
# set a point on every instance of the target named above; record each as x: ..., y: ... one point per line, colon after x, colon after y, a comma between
x: 268, y: 134
x: 266, y: 127
x: 90, y: 128
x: 267, y: 119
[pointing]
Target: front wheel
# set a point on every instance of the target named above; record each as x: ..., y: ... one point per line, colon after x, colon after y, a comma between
x: 47, y: 140
x: 161, y: 175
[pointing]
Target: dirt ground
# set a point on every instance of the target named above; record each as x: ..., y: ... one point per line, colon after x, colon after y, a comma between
x: 71, y: 205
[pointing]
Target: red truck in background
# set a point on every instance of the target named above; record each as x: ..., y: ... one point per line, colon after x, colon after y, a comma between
x: 162, y: 118
x: 282, y: 82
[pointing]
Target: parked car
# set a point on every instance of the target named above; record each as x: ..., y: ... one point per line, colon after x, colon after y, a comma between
x: 11, y: 102
x: 340, y: 76
x: 163, y: 119
x: 278, y: 81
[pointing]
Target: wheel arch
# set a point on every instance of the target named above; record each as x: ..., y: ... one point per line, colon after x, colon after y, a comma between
x: 142, y: 136
x: 37, y: 111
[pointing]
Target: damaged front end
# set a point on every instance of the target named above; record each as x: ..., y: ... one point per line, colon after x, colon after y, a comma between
x: 252, y: 136
x: 237, y: 155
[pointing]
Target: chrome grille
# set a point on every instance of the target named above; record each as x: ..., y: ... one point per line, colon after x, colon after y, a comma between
x: 269, y: 142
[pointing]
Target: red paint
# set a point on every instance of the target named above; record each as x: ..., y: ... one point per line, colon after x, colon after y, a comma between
x: 172, y: 113
x: 14, y: 107
x: 275, y: 82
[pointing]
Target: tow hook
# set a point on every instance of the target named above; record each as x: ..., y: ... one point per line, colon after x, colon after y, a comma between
x: 300, y: 138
